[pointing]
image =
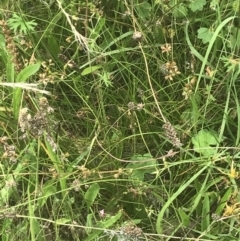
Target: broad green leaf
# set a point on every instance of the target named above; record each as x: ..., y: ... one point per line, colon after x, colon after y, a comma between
x: 16, y: 102
x: 143, y: 9
x: 197, y: 5
x: 141, y: 165
x: 180, y: 11
x: 91, y: 194
x: 184, y: 217
x: 159, y: 34
x: 205, y: 35
x: 47, y: 191
x: 222, y: 203
x: 62, y: 221
x: 90, y: 69
x: 204, y: 142
x: 195, y: 113
x: 95, y: 32
x: 28, y: 72
x: 17, y: 92
x: 53, y: 46
x: 89, y: 223
x: 104, y: 225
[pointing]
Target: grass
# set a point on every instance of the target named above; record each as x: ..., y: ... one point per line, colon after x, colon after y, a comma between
x: 119, y: 120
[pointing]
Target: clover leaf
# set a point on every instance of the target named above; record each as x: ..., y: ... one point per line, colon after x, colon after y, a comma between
x: 196, y: 5
x: 141, y: 165
x: 205, y: 35
x: 204, y: 142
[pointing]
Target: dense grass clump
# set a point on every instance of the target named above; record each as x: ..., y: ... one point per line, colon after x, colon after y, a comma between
x: 120, y: 120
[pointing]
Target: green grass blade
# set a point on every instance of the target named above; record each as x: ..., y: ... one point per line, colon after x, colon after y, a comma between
x: 175, y: 195
x: 91, y: 194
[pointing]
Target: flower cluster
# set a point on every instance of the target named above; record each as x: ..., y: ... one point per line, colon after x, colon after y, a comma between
x: 166, y: 48
x: 171, y: 134
x: 8, y: 214
x: 128, y: 232
x: 10, y: 45
x: 39, y: 123
x: 68, y: 62
x: 10, y: 183
x: 85, y: 172
x: 170, y: 70
x: 140, y: 93
x: 137, y: 36
x: 9, y: 150
x: 132, y: 232
x: 47, y: 76
x: 76, y: 185
x: 187, y: 89
x: 133, y: 106
x: 118, y: 173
